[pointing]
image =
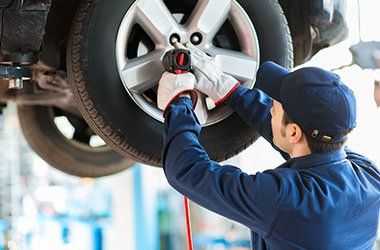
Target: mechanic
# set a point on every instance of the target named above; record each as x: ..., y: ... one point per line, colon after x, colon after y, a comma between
x: 323, y: 197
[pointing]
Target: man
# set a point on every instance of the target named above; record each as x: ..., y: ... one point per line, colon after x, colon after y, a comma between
x: 323, y: 197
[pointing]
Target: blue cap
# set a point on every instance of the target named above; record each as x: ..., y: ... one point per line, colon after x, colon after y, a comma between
x: 314, y: 98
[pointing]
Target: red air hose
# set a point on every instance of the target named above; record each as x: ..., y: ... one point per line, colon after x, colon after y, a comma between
x: 188, y: 224
x: 181, y: 61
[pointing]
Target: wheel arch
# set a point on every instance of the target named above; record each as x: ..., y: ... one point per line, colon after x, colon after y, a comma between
x: 297, y: 14
x: 59, y: 21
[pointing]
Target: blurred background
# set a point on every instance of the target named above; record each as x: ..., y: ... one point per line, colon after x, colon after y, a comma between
x: 42, y: 208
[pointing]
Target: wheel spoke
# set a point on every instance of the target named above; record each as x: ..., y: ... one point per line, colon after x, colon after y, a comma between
x: 201, y: 109
x: 208, y: 16
x: 237, y: 64
x: 143, y: 73
x: 79, y: 136
x: 156, y: 19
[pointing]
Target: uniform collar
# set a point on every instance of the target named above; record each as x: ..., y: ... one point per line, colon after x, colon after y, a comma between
x: 313, y: 160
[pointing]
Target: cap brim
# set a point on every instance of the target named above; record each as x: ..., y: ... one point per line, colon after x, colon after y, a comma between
x: 269, y: 79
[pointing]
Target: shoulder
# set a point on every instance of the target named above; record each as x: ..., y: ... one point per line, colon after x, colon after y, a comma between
x: 362, y: 163
x: 288, y: 178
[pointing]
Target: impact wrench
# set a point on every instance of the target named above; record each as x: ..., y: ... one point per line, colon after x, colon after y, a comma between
x: 178, y: 61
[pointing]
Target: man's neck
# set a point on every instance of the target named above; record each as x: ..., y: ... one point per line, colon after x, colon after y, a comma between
x: 300, y: 151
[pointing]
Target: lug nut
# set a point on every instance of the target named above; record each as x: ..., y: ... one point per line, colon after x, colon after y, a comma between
x: 196, y: 38
x: 174, y: 39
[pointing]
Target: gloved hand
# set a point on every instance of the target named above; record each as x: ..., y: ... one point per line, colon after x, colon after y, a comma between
x: 210, y: 77
x: 172, y: 86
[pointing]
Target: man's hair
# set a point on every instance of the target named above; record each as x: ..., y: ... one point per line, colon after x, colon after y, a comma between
x: 318, y: 146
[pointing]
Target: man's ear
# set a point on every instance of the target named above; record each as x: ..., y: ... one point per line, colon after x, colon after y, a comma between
x: 295, y: 133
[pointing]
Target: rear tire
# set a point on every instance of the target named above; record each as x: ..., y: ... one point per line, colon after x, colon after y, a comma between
x: 69, y: 156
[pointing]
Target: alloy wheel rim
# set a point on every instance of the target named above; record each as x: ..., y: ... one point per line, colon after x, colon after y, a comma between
x: 68, y: 130
x: 143, y: 72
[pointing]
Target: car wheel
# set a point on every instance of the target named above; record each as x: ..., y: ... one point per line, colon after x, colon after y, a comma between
x: 114, y: 64
x: 76, y: 151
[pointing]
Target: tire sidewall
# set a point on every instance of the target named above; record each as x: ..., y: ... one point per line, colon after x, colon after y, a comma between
x: 44, y: 137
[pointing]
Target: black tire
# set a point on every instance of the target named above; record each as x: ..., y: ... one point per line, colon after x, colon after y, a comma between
x: 66, y: 155
x: 110, y: 111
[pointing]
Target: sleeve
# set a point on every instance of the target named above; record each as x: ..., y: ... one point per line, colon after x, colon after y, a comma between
x: 253, y: 106
x: 251, y: 200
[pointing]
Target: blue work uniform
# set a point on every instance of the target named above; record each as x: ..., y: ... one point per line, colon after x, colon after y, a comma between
x: 318, y: 201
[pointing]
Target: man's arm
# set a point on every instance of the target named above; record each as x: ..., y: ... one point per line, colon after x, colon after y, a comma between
x: 248, y: 199
x: 253, y: 106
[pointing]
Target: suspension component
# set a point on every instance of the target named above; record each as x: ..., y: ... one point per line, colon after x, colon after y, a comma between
x: 15, y: 74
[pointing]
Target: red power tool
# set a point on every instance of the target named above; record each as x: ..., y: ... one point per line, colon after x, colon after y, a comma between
x: 177, y: 61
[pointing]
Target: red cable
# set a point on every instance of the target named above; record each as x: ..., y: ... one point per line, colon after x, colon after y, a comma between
x: 188, y: 224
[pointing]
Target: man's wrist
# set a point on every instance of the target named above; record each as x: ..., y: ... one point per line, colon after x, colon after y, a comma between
x: 228, y: 93
x: 235, y: 96
x: 186, y: 94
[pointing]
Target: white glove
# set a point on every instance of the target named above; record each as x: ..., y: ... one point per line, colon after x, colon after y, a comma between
x: 210, y: 77
x: 172, y: 86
